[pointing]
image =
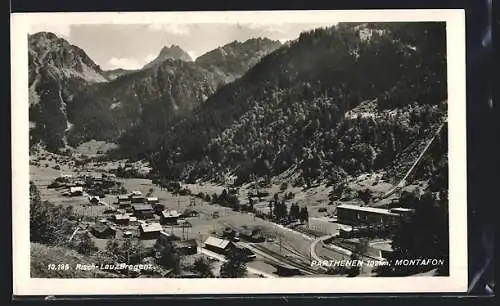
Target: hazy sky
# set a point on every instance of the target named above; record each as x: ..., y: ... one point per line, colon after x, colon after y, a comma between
x: 131, y: 46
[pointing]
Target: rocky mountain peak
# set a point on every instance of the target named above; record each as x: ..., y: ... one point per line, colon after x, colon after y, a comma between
x: 173, y: 52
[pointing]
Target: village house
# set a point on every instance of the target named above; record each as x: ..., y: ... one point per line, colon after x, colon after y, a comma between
x: 121, y: 219
x: 142, y: 211
x: 75, y: 191
x: 122, y: 198
x: 133, y: 220
x: 103, y: 231
x: 169, y: 217
x: 152, y: 200
x: 186, y: 247
x: 137, y: 199
x: 355, y: 215
x: 123, y: 202
x: 218, y: 245
x: 150, y: 231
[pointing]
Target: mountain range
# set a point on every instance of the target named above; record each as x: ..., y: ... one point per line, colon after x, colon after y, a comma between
x: 337, y: 101
x: 73, y: 100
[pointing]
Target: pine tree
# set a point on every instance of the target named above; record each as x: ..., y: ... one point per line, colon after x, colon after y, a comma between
x: 235, y: 266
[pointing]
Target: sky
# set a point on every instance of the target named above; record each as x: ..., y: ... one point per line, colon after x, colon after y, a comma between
x: 131, y: 46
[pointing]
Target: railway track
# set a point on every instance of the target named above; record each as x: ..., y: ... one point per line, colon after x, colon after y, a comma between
x: 280, y: 259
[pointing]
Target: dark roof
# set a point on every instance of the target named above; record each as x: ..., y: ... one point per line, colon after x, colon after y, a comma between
x: 99, y: 227
x: 142, y: 207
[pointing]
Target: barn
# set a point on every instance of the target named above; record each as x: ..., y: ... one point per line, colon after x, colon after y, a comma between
x: 218, y: 245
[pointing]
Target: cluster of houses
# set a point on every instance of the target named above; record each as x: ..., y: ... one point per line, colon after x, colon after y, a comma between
x: 146, y: 207
x: 75, y: 185
x: 135, y: 209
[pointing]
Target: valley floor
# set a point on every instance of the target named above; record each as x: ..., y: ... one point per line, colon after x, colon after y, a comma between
x: 292, y: 247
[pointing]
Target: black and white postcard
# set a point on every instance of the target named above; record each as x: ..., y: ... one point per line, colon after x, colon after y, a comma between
x: 239, y: 152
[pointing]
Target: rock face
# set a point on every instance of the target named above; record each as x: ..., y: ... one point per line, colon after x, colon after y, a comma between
x: 173, y: 52
x: 72, y: 100
x: 116, y: 73
x: 57, y: 72
x: 234, y: 59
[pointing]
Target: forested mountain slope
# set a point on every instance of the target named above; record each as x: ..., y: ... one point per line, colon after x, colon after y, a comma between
x: 291, y: 109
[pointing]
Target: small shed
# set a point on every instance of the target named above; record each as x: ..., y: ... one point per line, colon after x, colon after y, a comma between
x: 150, y: 230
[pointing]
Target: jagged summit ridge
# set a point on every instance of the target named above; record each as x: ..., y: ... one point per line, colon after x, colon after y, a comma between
x: 173, y: 52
